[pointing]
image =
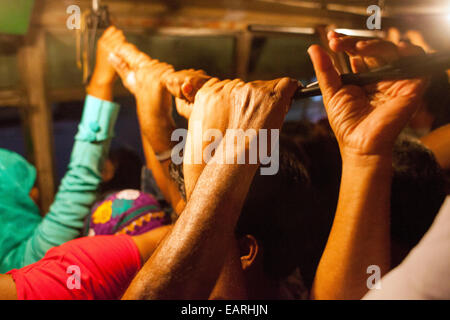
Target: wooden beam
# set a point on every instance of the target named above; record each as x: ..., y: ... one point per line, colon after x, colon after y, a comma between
x: 79, y: 93
x: 243, y: 48
x: 12, y: 98
x: 38, y: 117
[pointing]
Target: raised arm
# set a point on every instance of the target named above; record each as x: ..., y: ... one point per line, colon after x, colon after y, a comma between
x: 187, y: 263
x: 366, y: 122
x: 78, y: 188
x: 152, y: 83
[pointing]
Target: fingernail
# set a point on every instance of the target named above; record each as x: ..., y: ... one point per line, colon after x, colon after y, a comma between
x: 187, y: 88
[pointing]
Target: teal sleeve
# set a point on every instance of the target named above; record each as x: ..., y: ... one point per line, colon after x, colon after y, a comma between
x: 78, y: 188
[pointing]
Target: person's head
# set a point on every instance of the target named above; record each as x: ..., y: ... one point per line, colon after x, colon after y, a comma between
x: 269, y: 230
x: 435, y: 111
x: 323, y: 162
x: 418, y: 191
x: 17, y: 176
x: 129, y: 211
x: 122, y: 170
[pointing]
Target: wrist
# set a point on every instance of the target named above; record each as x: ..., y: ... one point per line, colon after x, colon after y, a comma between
x: 357, y: 159
x: 361, y: 167
x: 158, y: 135
x: 152, y: 93
x: 102, y: 78
x: 100, y: 90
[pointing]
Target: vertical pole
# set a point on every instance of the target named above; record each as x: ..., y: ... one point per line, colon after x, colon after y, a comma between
x: 243, y: 49
x: 32, y: 66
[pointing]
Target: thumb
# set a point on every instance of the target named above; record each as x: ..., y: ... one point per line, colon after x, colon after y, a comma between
x: 184, y: 108
x: 188, y: 91
x: 329, y: 80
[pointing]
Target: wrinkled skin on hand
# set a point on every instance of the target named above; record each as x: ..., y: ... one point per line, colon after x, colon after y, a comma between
x: 136, y: 69
x: 366, y: 120
x: 185, y: 84
x: 233, y: 104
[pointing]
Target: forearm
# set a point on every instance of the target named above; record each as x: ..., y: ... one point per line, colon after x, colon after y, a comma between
x: 101, y: 87
x: 78, y: 189
x: 187, y: 263
x: 192, y: 165
x: 73, y: 202
x: 161, y: 173
x: 157, y: 126
x: 360, y: 235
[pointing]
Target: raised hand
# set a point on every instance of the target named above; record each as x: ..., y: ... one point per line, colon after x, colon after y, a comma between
x: 233, y: 104
x: 104, y: 75
x: 366, y: 120
x: 184, y: 84
x: 136, y: 69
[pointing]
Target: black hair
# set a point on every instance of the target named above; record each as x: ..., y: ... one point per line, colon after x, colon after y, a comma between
x: 323, y: 162
x: 127, y: 174
x: 437, y: 99
x: 418, y: 191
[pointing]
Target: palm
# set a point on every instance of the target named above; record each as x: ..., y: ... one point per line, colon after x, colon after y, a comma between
x: 365, y: 118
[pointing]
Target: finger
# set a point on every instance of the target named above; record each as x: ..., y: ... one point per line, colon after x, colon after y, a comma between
x: 193, y: 84
x: 394, y: 35
x: 123, y: 70
x: 109, y: 31
x: 343, y: 43
x: 358, y: 65
x: 286, y: 87
x: 406, y: 49
x: 329, y: 80
x: 381, y: 50
x: 130, y: 54
x: 188, y: 91
x: 116, y: 37
x: 173, y: 84
x: 333, y: 34
x: 211, y: 83
x: 184, y: 108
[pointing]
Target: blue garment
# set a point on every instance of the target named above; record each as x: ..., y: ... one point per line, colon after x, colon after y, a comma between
x: 25, y: 236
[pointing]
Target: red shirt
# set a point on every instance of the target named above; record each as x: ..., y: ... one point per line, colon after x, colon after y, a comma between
x: 88, y: 268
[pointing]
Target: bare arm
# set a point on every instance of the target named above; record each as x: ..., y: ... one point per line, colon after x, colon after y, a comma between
x: 143, y: 77
x: 8, y: 289
x: 366, y: 122
x: 360, y: 233
x: 187, y: 263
